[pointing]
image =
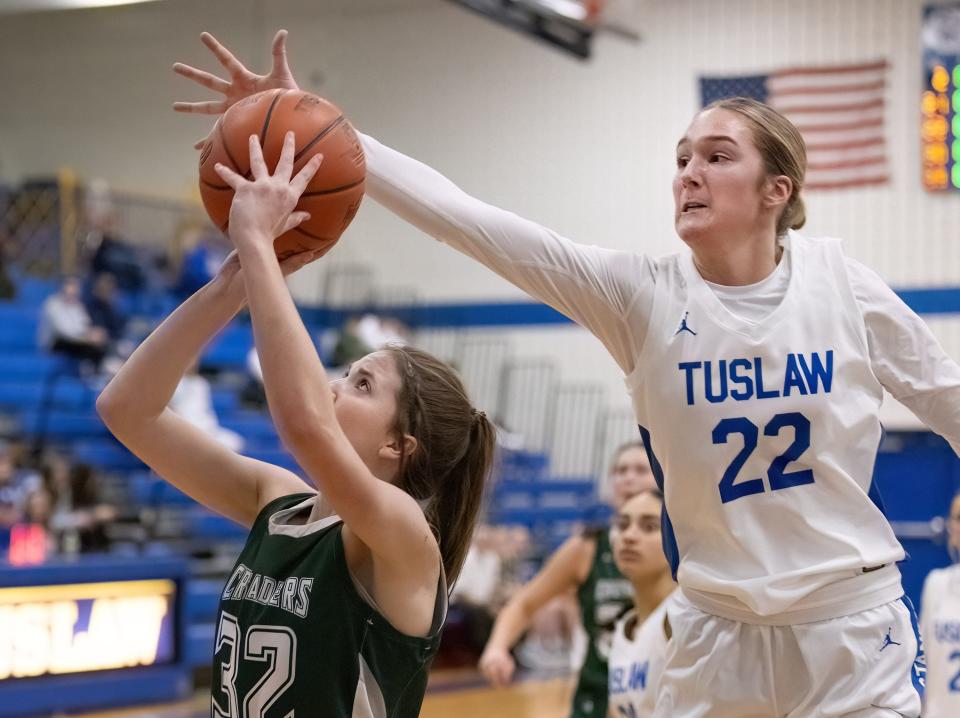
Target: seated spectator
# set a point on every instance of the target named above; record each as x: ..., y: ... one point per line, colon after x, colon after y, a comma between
x: 66, y: 328
x: 193, y: 400
x: 15, y: 485
x: 350, y: 346
x: 79, y: 515
x: 203, y: 251
x: 8, y: 288
x: 487, y: 581
x: 103, y: 306
x: 111, y: 254
x: 253, y: 394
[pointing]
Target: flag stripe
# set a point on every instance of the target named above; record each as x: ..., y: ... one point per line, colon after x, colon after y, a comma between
x: 832, y: 70
x: 846, y: 164
x: 852, y: 144
x: 850, y: 88
x: 807, y: 109
x: 816, y: 82
x: 844, y: 184
x: 871, y: 122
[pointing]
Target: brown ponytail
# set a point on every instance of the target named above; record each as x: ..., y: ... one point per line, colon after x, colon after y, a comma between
x: 454, y: 453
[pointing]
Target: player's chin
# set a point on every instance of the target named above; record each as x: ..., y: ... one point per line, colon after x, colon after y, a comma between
x: 692, y: 229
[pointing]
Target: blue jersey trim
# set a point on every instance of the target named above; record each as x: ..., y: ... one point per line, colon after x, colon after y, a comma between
x: 666, y: 527
x: 918, y: 672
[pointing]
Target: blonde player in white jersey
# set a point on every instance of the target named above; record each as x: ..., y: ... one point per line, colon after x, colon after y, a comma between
x: 756, y: 362
x: 640, y: 637
x: 940, y: 627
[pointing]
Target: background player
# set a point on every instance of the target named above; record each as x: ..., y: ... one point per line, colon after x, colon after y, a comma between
x: 583, y: 564
x: 338, y: 598
x: 760, y: 420
x: 640, y: 638
x: 940, y: 627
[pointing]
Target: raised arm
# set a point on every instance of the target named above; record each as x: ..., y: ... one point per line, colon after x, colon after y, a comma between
x: 608, y: 292
x: 385, y: 518
x: 603, y: 290
x: 134, y: 407
x: 906, y: 357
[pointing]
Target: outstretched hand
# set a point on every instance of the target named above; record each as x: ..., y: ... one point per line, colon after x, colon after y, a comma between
x: 242, y: 82
x: 229, y: 277
x: 263, y: 208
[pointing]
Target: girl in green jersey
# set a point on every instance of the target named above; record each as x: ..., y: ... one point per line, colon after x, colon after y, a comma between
x: 336, y: 603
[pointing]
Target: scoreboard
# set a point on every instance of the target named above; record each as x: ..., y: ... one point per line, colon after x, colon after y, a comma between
x: 940, y: 103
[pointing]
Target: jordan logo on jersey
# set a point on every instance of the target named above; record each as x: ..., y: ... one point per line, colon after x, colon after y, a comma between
x: 888, y: 641
x: 684, y: 327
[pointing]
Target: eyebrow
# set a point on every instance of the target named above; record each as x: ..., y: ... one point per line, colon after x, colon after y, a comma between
x: 709, y: 138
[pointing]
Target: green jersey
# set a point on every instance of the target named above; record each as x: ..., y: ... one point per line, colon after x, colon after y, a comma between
x: 603, y: 597
x: 296, y: 636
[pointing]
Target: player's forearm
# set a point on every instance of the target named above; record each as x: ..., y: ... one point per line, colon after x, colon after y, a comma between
x: 146, y: 382
x: 294, y: 378
x: 511, y: 623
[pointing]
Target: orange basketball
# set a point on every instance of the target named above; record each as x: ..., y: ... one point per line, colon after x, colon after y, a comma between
x: 333, y: 196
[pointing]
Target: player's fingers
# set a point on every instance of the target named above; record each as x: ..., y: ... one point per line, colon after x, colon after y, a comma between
x: 226, y: 58
x: 258, y: 168
x: 214, y: 107
x: 202, y: 77
x: 229, y: 176
x: 285, y: 163
x: 299, y: 183
x: 280, y: 66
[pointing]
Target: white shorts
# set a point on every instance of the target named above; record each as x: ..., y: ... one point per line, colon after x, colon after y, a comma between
x: 866, y: 665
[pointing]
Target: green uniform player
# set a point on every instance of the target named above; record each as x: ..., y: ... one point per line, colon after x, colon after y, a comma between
x: 335, y: 605
x: 290, y: 609
x: 603, y: 597
x: 583, y: 565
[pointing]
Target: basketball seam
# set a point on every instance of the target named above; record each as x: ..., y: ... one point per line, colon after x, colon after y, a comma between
x: 226, y: 148
x: 214, y: 186
x: 323, y: 133
x: 311, y: 235
x: 333, y: 190
x: 266, y: 125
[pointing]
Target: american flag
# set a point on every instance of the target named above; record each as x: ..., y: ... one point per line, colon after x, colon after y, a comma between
x: 839, y: 111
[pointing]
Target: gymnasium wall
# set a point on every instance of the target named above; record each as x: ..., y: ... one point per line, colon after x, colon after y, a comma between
x: 586, y: 148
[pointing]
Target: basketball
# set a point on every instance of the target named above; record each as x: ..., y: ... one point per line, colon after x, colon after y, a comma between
x: 333, y: 196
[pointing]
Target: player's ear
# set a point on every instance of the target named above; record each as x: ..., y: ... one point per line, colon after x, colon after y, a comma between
x: 777, y: 191
x: 398, y: 446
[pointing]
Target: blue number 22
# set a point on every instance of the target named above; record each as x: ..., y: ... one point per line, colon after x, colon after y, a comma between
x: 778, y: 476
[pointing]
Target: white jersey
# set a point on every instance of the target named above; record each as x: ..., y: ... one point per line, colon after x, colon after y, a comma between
x: 635, y: 663
x: 763, y: 432
x: 940, y: 628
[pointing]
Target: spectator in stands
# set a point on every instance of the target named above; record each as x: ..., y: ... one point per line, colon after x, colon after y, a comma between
x: 66, y: 327
x: 111, y: 254
x: 15, y: 486
x: 253, y: 393
x: 203, y: 250
x: 584, y: 564
x: 193, y: 400
x: 350, y: 346
x: 103, y: 306
x: 8, y: 288
x: 79, y: 514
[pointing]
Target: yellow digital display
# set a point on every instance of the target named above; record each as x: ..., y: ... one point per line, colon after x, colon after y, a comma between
x: 940, y: 102
x: 72, y: 628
